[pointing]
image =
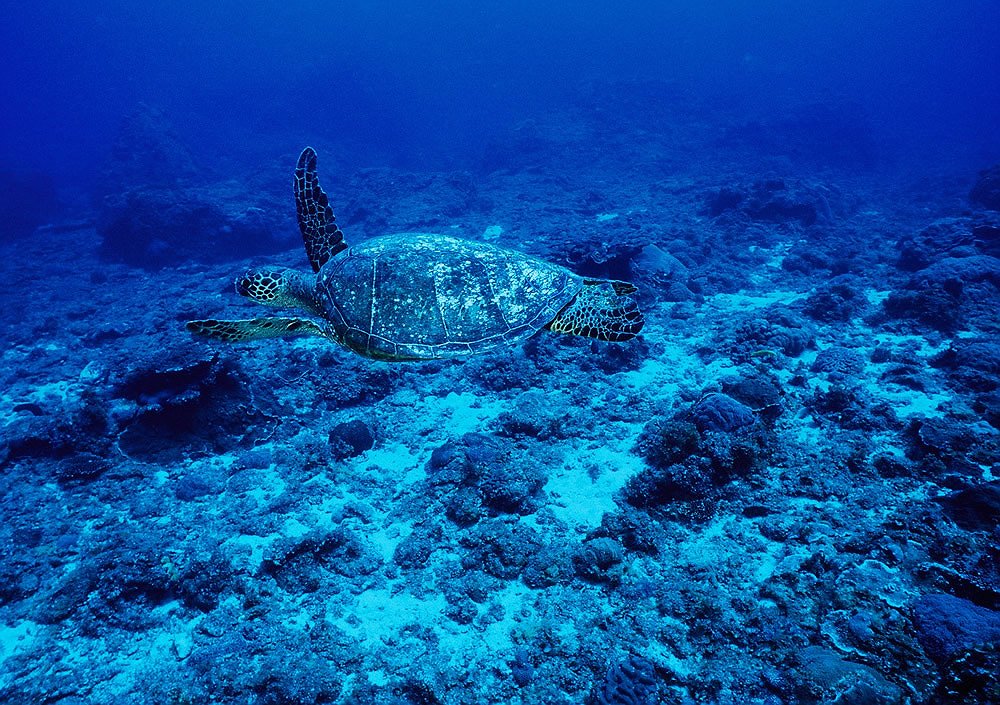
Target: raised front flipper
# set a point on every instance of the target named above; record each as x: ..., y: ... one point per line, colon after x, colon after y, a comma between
x: 320, y: 234
x: 253, y: 329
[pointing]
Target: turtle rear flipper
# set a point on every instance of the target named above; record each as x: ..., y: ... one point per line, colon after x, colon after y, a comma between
x: 253, y: 329
x: 320, y: 234
x: 602, y: 310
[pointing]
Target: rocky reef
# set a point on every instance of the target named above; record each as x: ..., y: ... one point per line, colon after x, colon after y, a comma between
x: 784, y: 493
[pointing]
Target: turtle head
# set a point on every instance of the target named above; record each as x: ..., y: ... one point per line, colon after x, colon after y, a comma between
x: 276, y: 287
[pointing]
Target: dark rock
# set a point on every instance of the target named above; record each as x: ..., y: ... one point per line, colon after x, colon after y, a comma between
x: 350, y: 439
x: 988, y: 406
x: 979, y: 354
x: 661, y: 269
x: 954, y: 274
x: 187, y: 403
x: 733, y: 455
x: 778, y: 332
x: 633, y: 529
x: 773, y: 201
x: 974, y: 363
x: 194, y: 485
x: 759, y: 393
x: 148, y: 153
x: 939, y: 240
x: 154, y: 228
x: 850, y: 407
x: 500, y: 547
x: 976, y: 508
x: 889, y: 466
x: 413, y: 551
x: 484, y: 470
x: 521, y: 668
x: 986, y: 192
x: 970, y: 676
x: 81, y: 468
x: 987, y: 236
x: 933, y: 306
x: 725, y: 199
x: 551, y: 565
x: 600, y: 561
x: 813, y: 134
x: 604, y: 259
x: 418, y: 693
x: 298, y: 564
x: 824, y: 676
x: 838, y: 361
x: 942, y: 436
x: 720, y: 412
x: 909, y: 376
x: 839, y: 301
x: 947, y: 625
x: 656, y: 486
x: 533, y: 415
x: 203, y: 579
x: 664, y: 442
x: 81, y: 430
x: 631, y: 682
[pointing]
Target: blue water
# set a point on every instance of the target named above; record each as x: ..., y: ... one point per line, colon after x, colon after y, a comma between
x: 763, y: 467
x: 427, y: 84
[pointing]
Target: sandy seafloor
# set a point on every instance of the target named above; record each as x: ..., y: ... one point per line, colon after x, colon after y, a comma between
x: 786, y: 491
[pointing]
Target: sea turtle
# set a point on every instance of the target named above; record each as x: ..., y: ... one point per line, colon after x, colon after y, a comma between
x: 420, y: 296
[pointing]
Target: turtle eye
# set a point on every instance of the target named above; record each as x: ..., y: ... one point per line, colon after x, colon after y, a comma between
x: 243, y: 286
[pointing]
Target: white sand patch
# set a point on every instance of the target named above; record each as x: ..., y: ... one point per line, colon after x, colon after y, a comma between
x: 386, y: 538
x: 379, y: 615
x: 709, y: 546
x: 876, y: 297
x: 430, y: 419
x: 248, y: 551
x: 741, y: 301
x: 395, y: 463
x: 778, y: 254
x: 52, y: 393
x: 582, y: 490
x: 918, y: 343
x: 518, y: 600
x: 15, y: 638
x: 464, y: 412
x: 767, y: 561
x: 910, y: 402
x: 271, y: 486
x: 808, y: 434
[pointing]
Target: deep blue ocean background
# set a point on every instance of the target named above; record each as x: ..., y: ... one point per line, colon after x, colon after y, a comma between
x: 429, y: 85
x: 784, y: 491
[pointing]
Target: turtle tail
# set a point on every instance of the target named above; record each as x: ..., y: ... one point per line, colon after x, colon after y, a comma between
x: 603, y: 310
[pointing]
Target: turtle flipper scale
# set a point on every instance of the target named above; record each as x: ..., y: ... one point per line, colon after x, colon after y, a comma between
x: 253, y: 329
x: 602, y: 310
x: 317, y: 223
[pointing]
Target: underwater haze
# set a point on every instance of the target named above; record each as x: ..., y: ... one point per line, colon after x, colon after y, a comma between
x: 428, y: 83
x: 480, y: 353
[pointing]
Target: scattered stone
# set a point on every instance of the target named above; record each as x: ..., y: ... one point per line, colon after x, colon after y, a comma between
x: 350, y: 439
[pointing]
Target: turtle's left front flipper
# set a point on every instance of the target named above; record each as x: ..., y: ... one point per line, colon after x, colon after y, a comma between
x: 253, y: 329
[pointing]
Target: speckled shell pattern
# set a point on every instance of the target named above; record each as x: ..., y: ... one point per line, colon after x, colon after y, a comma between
x: 425, y: 296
